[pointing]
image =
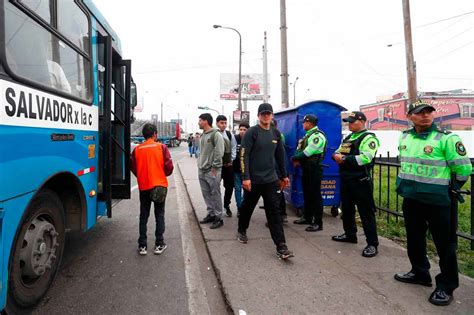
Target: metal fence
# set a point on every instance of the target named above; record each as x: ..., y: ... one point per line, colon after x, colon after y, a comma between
x: 388, y: 202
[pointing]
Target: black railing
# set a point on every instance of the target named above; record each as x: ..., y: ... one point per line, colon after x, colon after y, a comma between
x: 388, y: 202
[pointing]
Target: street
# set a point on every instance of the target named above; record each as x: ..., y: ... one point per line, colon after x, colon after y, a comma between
x: 102, y: 273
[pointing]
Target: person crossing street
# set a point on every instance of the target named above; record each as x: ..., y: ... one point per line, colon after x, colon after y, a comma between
x: 355, y: 157
x: 309, y: 155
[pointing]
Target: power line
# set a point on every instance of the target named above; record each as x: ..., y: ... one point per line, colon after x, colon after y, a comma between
x: 450, y: 52
x: 445, y: 41
x: 445, y: 19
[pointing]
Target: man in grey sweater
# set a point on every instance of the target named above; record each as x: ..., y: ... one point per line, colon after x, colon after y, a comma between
x: 209, y: 170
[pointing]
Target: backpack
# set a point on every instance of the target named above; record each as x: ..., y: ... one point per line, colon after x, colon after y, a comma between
x: 227, y: 158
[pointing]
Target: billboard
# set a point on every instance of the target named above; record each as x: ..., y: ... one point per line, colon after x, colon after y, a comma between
x: 252, y: 86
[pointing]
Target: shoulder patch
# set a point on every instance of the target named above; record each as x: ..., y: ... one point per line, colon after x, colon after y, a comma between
x: 316, y: 140
x: 460, y: 148
x: 372, y: 145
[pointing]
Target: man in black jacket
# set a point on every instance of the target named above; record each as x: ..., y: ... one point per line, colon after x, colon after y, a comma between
x: 261, y: 149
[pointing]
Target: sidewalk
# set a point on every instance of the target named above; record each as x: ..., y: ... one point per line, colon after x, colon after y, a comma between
x: 323, y: 277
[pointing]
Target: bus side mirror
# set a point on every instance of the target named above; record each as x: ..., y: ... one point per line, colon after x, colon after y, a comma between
x: 133, y: 95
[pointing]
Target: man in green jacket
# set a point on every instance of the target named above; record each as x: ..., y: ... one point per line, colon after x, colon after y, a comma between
x: 355, y: 157
x: 430, y: 160
x: 309, y: 154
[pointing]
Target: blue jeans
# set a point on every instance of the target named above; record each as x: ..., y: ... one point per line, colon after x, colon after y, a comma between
x: 191, y: 151
x: 238, y: 188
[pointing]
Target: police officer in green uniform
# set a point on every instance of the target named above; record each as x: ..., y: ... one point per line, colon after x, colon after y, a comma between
x: 431, y: 159
x: 355, y: 157
x: 309, y: 154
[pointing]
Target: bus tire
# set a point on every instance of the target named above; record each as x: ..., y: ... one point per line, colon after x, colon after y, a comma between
x: 37, y: 251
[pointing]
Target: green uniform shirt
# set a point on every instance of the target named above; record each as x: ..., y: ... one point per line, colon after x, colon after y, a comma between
x: 313, y: 143
x: 367, y: 149
x: 427, y: 161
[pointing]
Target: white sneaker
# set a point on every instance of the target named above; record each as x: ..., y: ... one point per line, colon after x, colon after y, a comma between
x: 142, y: 251
x: 160, y: 249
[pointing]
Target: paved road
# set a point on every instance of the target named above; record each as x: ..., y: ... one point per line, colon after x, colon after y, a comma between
x: 102, y: 273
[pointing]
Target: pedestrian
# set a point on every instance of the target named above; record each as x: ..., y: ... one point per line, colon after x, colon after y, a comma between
x: 281, y: 193
x: 229, y: 155
x: 209, y: 170
x: 197, y: 139
x: 190, y: 145
x: 355, y: 157
x: 151, y: 163
x: 237, y: 170
x: 261, y: 149
x: 309, y: 155
x: 430, y: 160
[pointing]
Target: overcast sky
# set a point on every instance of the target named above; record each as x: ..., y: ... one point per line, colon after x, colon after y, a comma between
x: 338, y: 49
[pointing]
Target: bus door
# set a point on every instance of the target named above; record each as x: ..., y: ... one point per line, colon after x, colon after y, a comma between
x: 114, y: 79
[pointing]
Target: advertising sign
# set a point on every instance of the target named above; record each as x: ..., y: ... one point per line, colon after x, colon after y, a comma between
x: 252, y: 86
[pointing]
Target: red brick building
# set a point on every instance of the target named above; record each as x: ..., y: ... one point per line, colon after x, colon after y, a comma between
x: 454, y: 111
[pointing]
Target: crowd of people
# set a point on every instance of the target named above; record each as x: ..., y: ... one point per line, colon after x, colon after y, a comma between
x: 252, y: 164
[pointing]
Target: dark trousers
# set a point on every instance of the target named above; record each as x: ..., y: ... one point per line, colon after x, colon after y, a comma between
x: 145, y: 205
x: 419, y: 217
x: 282, y: 204
x: 228, y: 177
x: 313, y: 201
x: 359, y: 193
x: 271, y: 202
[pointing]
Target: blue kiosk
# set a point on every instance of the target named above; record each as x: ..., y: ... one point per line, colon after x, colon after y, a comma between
x: 290, y: 123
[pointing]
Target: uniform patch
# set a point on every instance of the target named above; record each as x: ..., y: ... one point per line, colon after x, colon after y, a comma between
x: 460, y: 148
x: 316, y: 140
x: 428, y: 149
x: 403, y: 147
x: 372, y: 145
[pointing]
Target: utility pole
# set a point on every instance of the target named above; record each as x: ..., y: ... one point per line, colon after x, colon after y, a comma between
x: 265, y: 69
x: 284, y: 56
x: 411, y: 65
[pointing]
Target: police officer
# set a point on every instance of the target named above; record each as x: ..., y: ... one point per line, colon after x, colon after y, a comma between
x: 309, y: 154
x: 355, y: 157
x: 430, y: 159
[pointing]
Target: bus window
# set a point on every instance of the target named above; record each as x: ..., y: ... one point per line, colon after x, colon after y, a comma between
x: 36, y: 54
x: 73, y: 23
x: 41, y: 7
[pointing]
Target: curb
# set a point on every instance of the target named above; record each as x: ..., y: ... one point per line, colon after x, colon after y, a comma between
x: 214, y: 267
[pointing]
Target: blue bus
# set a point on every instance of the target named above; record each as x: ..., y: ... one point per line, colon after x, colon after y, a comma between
x: 66, y: 98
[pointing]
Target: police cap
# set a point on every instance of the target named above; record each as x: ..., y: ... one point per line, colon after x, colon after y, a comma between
x: 353, y: 116
x: 418, y: 106
x: 311, y: 118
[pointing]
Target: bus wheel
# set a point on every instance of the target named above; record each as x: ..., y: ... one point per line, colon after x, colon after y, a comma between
x: 37, y: 251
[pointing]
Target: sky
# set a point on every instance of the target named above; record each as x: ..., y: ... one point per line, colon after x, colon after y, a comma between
x: 338, y: 49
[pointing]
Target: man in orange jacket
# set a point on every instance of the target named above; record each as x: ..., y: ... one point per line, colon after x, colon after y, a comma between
x: 151, y: 163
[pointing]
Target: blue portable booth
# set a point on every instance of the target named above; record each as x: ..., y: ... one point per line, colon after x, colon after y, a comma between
x: 290, y: 123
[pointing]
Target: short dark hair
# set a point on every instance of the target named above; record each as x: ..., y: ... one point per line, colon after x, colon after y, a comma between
x: 149, y: 130
x: 207, y: 117
x: 221, y: 117
x: 244, y: 124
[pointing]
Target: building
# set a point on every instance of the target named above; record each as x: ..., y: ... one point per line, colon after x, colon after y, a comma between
x: 454, y: 110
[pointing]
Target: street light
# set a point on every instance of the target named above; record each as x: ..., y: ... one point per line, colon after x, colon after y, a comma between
x: 294, y: 91
x: 239, y: 105
x: 208, y: 108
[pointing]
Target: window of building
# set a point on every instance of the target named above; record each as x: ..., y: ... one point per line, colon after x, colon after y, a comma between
x: 466, y: 110
x: 35, y: 53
